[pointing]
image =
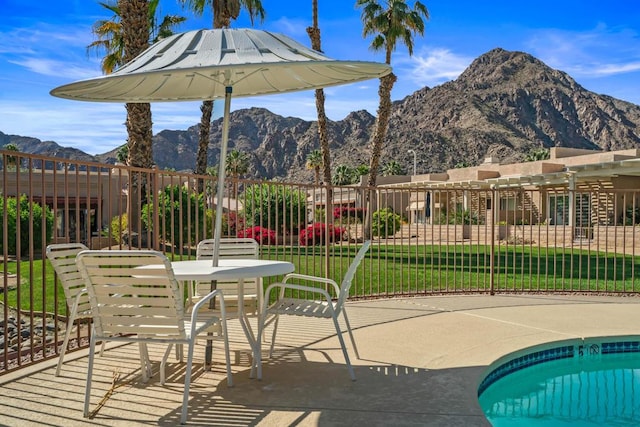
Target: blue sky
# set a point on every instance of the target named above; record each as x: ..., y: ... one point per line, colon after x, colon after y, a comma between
x: 43, y: 45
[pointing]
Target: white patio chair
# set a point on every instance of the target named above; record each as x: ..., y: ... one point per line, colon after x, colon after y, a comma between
x: 134, y: 297
x: 63, y: 259
x: 321, y: 306
x: 236, y: 248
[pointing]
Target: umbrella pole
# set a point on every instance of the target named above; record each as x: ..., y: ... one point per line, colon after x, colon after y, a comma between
x: 221, y: 173
x: 217, y: 233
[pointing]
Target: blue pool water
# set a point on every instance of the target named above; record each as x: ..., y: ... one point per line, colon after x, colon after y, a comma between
x: 579, y: 383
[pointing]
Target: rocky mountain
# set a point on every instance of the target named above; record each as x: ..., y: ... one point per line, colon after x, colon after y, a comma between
x: 503, y: 105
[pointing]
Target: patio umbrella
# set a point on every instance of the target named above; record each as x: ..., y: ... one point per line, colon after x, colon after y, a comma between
x: 220, y: 63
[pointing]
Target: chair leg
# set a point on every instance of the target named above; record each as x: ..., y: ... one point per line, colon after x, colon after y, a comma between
x: 179, y: 356
x: 187, y: 382
x: 227, y: 356
x: 87, y: 389
x: 273, y: 337
x: 164, y: 362
x: 353, y: 341
x: 344, y: 348
x: 145, y: 362
x: 65, y: 343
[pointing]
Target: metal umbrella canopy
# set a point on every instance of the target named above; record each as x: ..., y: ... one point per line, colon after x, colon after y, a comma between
x: 220, y: 63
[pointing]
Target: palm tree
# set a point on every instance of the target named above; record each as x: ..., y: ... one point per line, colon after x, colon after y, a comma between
x: 237, y: 165
x: 314, y: 161
x: 344, y: 175
x: 122, y: 38
x: 390, y: 22
x: 224, y: 11
x: 537, y: 154
x: 362, y: 170
x: 314, y: 35
x: 392, y: 168
x: 122, y: 155
x: 134, y: 19
x: 110, y: 35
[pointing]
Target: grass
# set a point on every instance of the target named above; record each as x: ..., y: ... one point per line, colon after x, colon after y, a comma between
x: 401, y: 270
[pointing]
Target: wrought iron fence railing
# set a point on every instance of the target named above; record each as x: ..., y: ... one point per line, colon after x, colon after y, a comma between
x: 427, y: 238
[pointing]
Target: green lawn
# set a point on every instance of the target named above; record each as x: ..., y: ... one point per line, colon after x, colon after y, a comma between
x: 398, y: 270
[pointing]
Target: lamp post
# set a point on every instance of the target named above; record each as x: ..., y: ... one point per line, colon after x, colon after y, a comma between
x: 414, y: 160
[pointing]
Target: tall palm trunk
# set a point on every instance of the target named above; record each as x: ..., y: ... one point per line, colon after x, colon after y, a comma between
x: 223, y: 12
x: 314, y: 35
x: 203, y: 138
x: 380, y: 133
x: 134, y: 15
x: 382, y: 124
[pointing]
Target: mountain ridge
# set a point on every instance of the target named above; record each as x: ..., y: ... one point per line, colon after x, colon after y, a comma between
x: 504, y: 105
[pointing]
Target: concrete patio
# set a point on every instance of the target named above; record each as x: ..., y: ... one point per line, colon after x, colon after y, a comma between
x: 421, y: 361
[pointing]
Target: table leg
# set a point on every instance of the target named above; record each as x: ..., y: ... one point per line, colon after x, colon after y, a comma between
x: 248, y: 331
x: 208, y: 350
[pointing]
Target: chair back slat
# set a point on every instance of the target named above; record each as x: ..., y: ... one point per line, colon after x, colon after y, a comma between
x: 62, y: 257
x: 345, y: 286
x: 127, y: 298
x: 230, y: 247
x: 236, y: 248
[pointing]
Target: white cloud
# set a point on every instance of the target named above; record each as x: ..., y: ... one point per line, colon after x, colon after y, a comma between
x: 431, y: 67
x: 294, y: 28
x: 609, y: 69
x: 599, y: 52
x: 55, y: 68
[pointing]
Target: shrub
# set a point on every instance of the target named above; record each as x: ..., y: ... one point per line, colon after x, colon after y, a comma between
x: 460, y: 216
x: 234, y: 223
x: 119, y: 225
x: 275, y: 206
x: 385, y: 223
x: 21, y: 208
x: 262, y: 235
x: 174, y: 228
x: 348, y: 212
x: 315, y: 234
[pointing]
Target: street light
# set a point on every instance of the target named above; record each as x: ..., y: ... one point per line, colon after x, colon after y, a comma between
x: 414, y: 160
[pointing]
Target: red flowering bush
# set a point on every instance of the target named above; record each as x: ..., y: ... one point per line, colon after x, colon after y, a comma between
x: 235, y: 223
x: 315, y: 234
x: 262, y: 235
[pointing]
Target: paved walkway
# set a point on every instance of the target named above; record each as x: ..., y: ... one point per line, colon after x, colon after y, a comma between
x: 421, y: 362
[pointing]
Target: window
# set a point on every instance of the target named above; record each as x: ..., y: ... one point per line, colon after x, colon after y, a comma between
x: 559, y: 209
x: 508, y: 203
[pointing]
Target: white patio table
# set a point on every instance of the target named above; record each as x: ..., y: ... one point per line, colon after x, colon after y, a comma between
x: 234, y: 269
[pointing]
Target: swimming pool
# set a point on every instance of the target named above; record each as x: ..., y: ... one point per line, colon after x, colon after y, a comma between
x: 588, y: 382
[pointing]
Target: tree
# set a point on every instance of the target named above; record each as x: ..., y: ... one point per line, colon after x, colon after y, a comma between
x: 275, y: 207
x: 122, y: 155
x: 11, y: 160
x: 177, y: 229
x: 314, y: 161
x: 224, y: 11
x: 389, y: 24
x: 31, y: 217
x: 537, y: 154
x: 362, y: 170
x: 392, y: 168
x: 134, y: 16
x: 314, y: 35
x: 237, y: 165
x: 122, y: 38
x: 344, y: 175
x: 110, y: 37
